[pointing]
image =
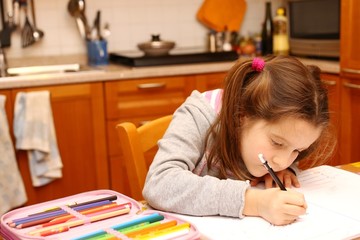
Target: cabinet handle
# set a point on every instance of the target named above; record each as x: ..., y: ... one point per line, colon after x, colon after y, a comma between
x: 349, y: 70
x: 330, y: 83
x: 351, y: 85
x: 151, y: 85
x: 143, y: 122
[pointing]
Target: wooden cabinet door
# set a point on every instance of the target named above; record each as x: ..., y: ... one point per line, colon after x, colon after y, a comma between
x: 79, y: 119
x: 350, y: 119
x: 210, y: 81
x: 332, y: 83
x: 8, y: 105
x: 350, y: 36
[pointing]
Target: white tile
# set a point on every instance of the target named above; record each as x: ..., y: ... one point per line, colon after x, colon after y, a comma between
x: 131, y: 22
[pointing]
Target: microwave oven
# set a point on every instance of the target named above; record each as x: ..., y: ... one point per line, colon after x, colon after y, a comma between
x: 314, y: 28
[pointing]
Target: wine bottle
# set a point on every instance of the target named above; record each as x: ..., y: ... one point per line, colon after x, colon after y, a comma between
x: 267, y: 32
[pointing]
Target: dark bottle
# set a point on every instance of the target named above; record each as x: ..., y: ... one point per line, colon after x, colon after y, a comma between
x: 267, y: 32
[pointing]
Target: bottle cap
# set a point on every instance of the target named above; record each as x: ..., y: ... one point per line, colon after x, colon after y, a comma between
x: 280, y: 11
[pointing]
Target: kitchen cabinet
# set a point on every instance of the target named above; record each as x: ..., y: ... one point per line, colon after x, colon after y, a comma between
x: 209, y: 81
x: 350, y: 81
x: 350, y: 36
x: 79, y: 119
x: 142, y: 100
x: 138, y: 101
x: 8, y: 104
x: 332, y: 83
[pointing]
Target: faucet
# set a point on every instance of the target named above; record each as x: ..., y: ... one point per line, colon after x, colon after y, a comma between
x: 3, y: 63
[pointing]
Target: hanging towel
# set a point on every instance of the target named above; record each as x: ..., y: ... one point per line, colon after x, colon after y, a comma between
x: 12, y: 190
x: 221, y: 15
x: 35, y: 132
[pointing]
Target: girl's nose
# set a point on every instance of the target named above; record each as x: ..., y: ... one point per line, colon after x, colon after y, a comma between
x: 283, y: 161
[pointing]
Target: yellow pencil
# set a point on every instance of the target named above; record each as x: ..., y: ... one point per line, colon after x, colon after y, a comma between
x: 167, y: 233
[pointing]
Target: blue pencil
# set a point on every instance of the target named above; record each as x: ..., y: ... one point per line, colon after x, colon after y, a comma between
x: 148, y: 218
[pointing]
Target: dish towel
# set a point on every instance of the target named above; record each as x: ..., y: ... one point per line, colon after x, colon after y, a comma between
x: 12, y: 190
x: 35, y: 132
x: 221, y: 15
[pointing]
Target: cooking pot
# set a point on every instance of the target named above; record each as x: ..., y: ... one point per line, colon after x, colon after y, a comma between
x: 156, y: 47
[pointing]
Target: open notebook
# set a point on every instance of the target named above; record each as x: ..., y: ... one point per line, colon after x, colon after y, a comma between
x: 333, y: 197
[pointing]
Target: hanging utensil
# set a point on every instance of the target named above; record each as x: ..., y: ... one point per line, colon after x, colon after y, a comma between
x: 38, y: 34
x: 27, y: 32
x: 76, y: 9
x: 5, y: 35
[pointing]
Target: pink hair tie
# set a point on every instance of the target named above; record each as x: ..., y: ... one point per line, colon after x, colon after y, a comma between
x: 258, y: 64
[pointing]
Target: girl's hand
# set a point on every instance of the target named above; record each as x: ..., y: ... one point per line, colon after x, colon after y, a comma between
x: 286, y: 176
x: 276, y: 206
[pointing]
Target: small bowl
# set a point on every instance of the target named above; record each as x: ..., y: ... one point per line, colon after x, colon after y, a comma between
x: 156, y: 47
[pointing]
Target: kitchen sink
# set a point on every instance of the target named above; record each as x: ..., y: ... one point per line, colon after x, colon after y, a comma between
x: 43, y: 69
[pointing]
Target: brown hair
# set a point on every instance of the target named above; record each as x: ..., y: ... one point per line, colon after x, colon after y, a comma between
x: 285, y: 87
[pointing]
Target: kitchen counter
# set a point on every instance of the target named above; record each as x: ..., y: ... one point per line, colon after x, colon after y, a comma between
x: 118, y: 72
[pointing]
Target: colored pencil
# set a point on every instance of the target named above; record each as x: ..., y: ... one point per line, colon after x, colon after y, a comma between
x: 75, y: 204
x: 80, y: 222
x: 167, y: 233
x: 38, y: 219
x: 149, y: 229
x: 84, y: 212
x: 54, y: 231
x: 147, y: 218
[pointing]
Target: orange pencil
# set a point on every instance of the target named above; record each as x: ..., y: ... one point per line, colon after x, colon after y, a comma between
x: 54, y: 231
x: 84, y: 212
x: 80, y: 222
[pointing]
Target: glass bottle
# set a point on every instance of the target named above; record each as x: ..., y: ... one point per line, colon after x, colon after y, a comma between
x: 267, y: 32
x: 280, y: 37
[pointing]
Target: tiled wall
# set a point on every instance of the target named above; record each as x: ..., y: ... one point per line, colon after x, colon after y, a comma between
x: 131, y: 22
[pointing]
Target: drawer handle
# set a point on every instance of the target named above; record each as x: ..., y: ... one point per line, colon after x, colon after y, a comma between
x: 143, y: 123
x: 349, y: 70
x: 330, y: 83
x: 151, y: 85
x: 351, y: 85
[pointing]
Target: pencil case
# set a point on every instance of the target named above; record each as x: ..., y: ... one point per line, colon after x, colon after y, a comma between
x: 120, y: 218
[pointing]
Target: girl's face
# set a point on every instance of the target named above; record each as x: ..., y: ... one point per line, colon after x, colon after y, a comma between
x: 280, y: 143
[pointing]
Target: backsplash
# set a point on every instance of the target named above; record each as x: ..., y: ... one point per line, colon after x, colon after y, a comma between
x: 131, y: 22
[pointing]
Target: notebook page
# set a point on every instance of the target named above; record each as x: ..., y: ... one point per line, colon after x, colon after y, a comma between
x: 333, y: 212
x: 332, y: 188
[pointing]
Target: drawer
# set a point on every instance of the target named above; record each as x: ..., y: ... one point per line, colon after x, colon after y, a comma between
x: 210, y: 81
x: 144, y: 97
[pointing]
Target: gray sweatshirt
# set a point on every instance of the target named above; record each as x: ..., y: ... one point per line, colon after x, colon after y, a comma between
x: 178, y: 179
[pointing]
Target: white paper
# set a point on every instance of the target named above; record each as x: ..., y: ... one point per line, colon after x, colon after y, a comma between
x: 333, y: 198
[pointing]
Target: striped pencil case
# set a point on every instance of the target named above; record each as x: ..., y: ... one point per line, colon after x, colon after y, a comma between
x: 100, y: 215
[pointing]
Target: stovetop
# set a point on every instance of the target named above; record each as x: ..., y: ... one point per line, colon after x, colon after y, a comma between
x: 176, y: 56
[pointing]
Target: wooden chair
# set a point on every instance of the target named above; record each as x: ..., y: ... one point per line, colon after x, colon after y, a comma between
x: 135, y: 142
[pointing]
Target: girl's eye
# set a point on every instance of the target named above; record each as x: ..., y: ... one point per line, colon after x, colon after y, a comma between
x: 276, y: 143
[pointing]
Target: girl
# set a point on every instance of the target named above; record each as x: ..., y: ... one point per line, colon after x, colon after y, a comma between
x: 276, y: 107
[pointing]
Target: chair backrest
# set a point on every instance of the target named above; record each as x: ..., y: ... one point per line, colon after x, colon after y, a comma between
x: 134, y: 143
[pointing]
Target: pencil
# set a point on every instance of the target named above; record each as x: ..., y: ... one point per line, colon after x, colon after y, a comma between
x: 80, y: 222
x: 75, y: 204
x: 45, y: 217
x: 69, y: 216
x: 271, y: 172
x: 150, y: 228
x: 167, y: 233
x: 147, y: 218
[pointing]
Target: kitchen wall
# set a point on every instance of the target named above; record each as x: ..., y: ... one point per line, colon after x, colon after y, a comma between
x: 131, y: 22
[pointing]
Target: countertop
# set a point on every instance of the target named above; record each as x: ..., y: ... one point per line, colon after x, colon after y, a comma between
x: 118, y: 72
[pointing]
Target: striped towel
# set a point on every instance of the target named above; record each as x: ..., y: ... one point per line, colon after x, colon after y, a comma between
x: 35, y: 132
x: 12, y: 190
